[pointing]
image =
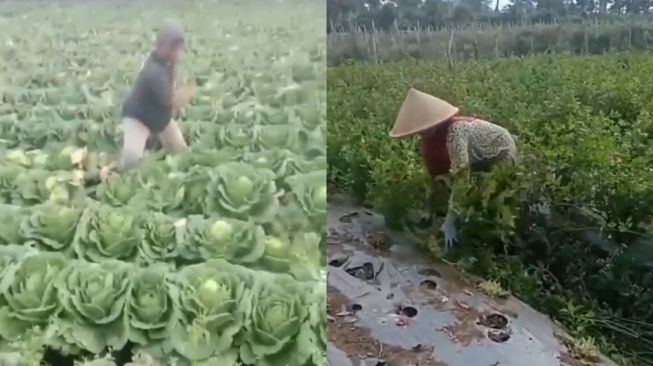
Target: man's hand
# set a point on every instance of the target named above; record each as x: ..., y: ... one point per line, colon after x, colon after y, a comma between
x: 182, y: 96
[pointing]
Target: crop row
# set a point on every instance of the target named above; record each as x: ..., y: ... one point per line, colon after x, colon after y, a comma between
x: 306, y: 111
x: 99, y: 232
x: 292, y: 136
x: 235, y: 189
x: 69, y: 157
x: 212, y: 311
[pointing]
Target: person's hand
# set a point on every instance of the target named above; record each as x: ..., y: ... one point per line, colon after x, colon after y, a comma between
x: 183, y: 95
x: 187, y: 91
x: 192, y: 88
x: 450, y: 231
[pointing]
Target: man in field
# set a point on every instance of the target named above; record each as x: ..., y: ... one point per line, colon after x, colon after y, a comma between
x: 451, y: 144
x: 149, y: 107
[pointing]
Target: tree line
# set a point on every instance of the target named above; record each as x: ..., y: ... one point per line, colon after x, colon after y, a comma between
x: 343, y: 15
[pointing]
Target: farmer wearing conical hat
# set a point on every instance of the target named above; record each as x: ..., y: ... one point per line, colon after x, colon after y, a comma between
x: 149, y: 107
x: 451, y: 143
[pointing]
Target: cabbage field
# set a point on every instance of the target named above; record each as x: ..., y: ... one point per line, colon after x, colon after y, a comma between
x: 211, y: 257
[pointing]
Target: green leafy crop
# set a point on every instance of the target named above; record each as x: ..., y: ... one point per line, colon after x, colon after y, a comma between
x: 106, y: 233
x: 93, y: 297
x: 240, y: 191
x: 151, y: 311
x: 160, y: 242
x: 51, y: 227
x: 214, y: 302
x: 234, y: 240
x: 278, y: 333
x: 29, y: 295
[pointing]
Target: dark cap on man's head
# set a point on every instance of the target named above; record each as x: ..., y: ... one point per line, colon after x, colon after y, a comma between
x: 170, y: 33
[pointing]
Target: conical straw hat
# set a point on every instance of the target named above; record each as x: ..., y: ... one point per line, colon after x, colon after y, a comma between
x: 420, y: 112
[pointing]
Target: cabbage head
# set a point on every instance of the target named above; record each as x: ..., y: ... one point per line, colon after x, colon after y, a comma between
x: 107, y: 232
x: 313, y: 144
x: 31, y: 188
x: 200, y: 155
x: 150, y: 309
x: 195, y: 184
x: 300, y: 256
x: 61, y: 159
x: 233, y: 240
x: 234, y: 136
x: 10, y: 256
x: 317, y: 298
x: 278, y: 332
x: 227, y: 358
x: 51, y: 227
x: 29, y: 295
x: 36, y: 186
x: 118, y: 190
x: 160, y: 189
x: 278, y: 255
x: 18, y: 157
x: 240, y: 191
x: 282, y: 162
x: 310, y: 193
x: 214, y: 302
x: 160, y: 243
x: 8, y: 174
x: 317, y: 163
x: 307, y: 256
x: 11, y: 218
x: 277, y: 136
x: 197, y: 130
x: 311, y: 115
x: 93, y: 297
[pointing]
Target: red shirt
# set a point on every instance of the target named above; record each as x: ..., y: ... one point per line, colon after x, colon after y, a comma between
x: 434, y: 147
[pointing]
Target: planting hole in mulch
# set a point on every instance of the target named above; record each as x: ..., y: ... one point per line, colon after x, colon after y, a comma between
x: 408, y: 311
x: 364, y: 272
x: 429, y: 284
x: 374, y: 362
x: 494, y: 321
x: 348, y: 217
x: 356, y: 307
x: 338, y: 261
x: 431, y: 272
x: 499, y: 336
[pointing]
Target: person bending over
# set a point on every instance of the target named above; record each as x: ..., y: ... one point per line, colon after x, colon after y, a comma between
x: 451, y: 144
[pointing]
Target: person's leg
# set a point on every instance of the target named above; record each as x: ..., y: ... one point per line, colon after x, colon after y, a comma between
x: 135, y: 136
x: 172, y: 139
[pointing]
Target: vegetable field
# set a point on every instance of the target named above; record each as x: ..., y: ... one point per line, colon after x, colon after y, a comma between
x: 212, y: 257
x: 569, y: 228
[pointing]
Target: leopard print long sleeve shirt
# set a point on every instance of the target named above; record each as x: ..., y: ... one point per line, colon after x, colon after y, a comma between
x: 464, y: 142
